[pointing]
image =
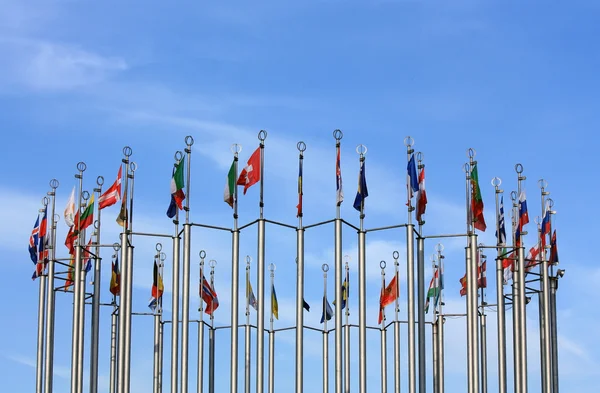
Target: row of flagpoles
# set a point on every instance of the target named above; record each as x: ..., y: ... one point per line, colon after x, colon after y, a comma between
x: 83, y: 259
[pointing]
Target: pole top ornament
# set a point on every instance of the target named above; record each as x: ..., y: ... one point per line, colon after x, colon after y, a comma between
x: 338, y: 134
x: 301, y: 146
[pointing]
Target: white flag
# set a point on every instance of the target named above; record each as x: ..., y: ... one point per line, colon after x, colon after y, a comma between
x: 70, y: 209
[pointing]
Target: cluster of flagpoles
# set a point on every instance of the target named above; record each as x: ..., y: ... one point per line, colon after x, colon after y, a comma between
x: 83, y: 259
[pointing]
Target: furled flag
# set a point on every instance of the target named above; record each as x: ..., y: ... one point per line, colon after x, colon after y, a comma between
x: 476, y: 201
x: 112, y: 195
x: 34, y: 241
x: 87, y: 264
x: 157, y: 288
x: 327, y: 311
x: 532, y: 259
x: 344, y: 293
x: 115, y: 278
x: 122, y: 217
x: 523, y: 217
x: 229, y: 192
x: 413, y: 182
x: 250, y: 175
x: 362, y: 192
x: 208, y: 294
x: 501, y: 232
x: 553, y: 249
x: 300, y: 193
x: 434, y: 290
x: 463, y: 285
x: 421, y: 196
x: 250, y: 295
x: 274, y: 304
x: 481, y: 277
x: 338, y: 179
x: 545, y: 226
x: 87, y: 217
x: 43, y: 238
x: 70, y: 210
x: 508, y: 264
x: 388, y: 295
x: 177, y: 194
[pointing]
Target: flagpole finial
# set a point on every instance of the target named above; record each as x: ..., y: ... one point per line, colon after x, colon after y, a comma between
x: 543, y: 184
x: 471, y: 153
x: 262, y: 135
x: 212, y: 263
x: 45, y: 201
x: 272, y: 269
x: 248, y: 259
x: 163, y: 257
x: 178, y: 155
x: 301, y: 147
x: 158, y: 247
x: 127, y: 151
x: 54, y: 184
x: 409, y: 141
x: 325, y: 268
x: 81, y: 167
x: 347, y: 259
x: 56, y: 218
x: 519, y: 169
x: 189, y: 141
x: 338, y: 134
x: 420, y: 156
x: 362, y: 150
x: 551, y: 205
x: 439, y: 247
x: 513, y: 196
x: 85, y: 195
x: 382, y: 265
x: 132, y: 166
x: 100, y: 181
x: 466, y: 168
x: 236, y: 148
x: 496, y: 182
x: 116, y: 247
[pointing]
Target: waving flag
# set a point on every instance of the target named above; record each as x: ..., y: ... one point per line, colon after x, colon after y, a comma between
x: 362, y: 192
x: 532, y: 259
x: 300, y: 193
x: 112, y: 195
x: 229, y: 192
x: 305, y: 305
x: 388, y: 295
x: 250, y: 175
x: 327, y: 311
x: 434, y: 290
x: 177, y: 194
x: 501, y: 232
x: 523, y: 217
x: 87, y: 217
x: 338, y: 178
x: 115, y: 278
x: 208, y: 294
x: 157, y: 288
x: 413, y: 182
x: 476, y: 201
x: 421, y: 196
x: 87, y: 264
x: 70, y: 209
x: 34, y: 241
x: 274, y: 304
x: 508, y: 267
x: 250, y: 295
x: 545, y: 226
x: 463, y: 285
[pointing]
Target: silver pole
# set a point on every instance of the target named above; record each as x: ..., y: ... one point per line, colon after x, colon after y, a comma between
x: 161, y: 343
x: 76, y: 293
x: 271, y: 339
x: 421, y: 310
x: 440, y: 320
x: 396, y: 255
x: 325, y: 269
x: 383, y: 337
x: 39, y: 368
x: 129, y: 288
x: 362, y: 301
x: 543, y: 339
x: 185, y: 302
x: 80, y: 347
x: 347, y: 331
x: 554, y: 332
x: 50, y: 299
x: 515, y: 299
x: 522, y: 298
x: 260, y: 340
x: 300, y: 290
x: 545, y: 307
x: 483, y: 339
x: 235, y: 279
x: 122, y: 323
x: 434, y: 353
x: 96, y: 300
x: 471, y: 269
x: 410, y: 278
x: 248, y: 338
x: 200, y: 371
x: 175, y: 309
x: 338, y: 305
x: 211, y: 336
x: 501, y: 319
x: 113, y: 351
x: 156, y: 365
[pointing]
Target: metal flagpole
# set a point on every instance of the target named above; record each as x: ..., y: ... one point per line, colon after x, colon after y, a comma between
x: 421, y: 295
x: 515, y: 298
x: 325, y: 268
x: 410, y: 278
x: 542, y: 322
x: 347, y: 329
x: 471, y: 269
x: 522, y: 296
x: 50, y: 298
x: 211, y: 335
x: 81, y: 274
x: 440, y: 319
x: 96, y: 299
x: 501, y: 319
x: 337, y: 134
x: 159, y: 260
x: 483, y: 329
x: 383, y: 335
x: 271, y: 376
x: 545, y: 303
x: 260, y: 340
x: 235, y: 276
x: 39, y: 369
x: 76, y: 292
x: 200, y: 371
x: 185, y: 302
x: 362, y: 301
x: 300, y: 281
x: 396, y: 255
x: 175, y: 307
x: 434, y: 354
x: 129, y: 287
x: 112, y: 388
x: 554, y: 330
x: 161, y: 343
x: 248, y: 339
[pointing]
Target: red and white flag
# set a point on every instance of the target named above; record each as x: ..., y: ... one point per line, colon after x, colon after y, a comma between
x: 251, y: 173
x: 421, y: 195
x: 112, y: 195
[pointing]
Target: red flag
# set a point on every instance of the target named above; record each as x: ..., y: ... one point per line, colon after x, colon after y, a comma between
x: 112, y: 195
x: 208, y: 294
x: 388, y: 295
x: 421, y: 196
x: 463, y: 285
x: 251, y: 173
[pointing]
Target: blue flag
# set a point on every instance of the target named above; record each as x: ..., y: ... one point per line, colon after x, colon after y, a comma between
x: 362, y: 192
x: 327, y: 311
x: 501, y: 233
x: 413, y: 185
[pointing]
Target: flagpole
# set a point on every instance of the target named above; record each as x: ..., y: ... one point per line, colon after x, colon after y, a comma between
x: 235, y: 276
x: 483, y: 328
x: 157, y: 312
x: 39, y: 368
x: 522, y: 295
x: 75, y: 366
x: 501, y: 318
x: 347, y: 329
x: 300, y: 280
x: 410, y: 278
x: 260, y: 340
x: 396, y: 255
x: 545, y: 303
x: 434, y: 354
x: 96, y: 300
x: 129, y: 285
x: 553, y: 286
x: 383, y: 335
x: 325, y: 268
x: 50, y: 298
x: 338, y: 135
x: 247, y: 328
x: 421, y: 293
x: 440, y: 319
x: 515, y: 297
x: 211, y: 335
x: 175, y: 306
x: 271, y: 376
x: 200, y: 371
x: 113, y: 336
x: 362, y: 295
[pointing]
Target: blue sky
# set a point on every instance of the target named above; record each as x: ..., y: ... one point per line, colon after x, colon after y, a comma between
x: 517, y: 82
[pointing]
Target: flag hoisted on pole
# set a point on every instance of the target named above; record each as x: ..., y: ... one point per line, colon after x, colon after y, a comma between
x: 70, y: 209
x: 523, y: 217
x: 300, y: 192
x: 421, y: 200
x: 250, y: 175
x: 388, y: 296
x: 413, y: 182
x: 113, y: 194
x: 362, y: 191
x: 327, y: 313
x: 545, y: 225
x: 115, y: 278
x: 274, y: 304
x: 434, y: 290
x: 177, y: 194
x: 229, y: 193
x: 157, y: 288
x: 250, y: 294
x: 339, y: 194
x: 208, y: 294
x: 476, y: 201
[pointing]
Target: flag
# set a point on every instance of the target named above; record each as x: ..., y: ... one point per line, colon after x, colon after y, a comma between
x: 387, y: 296
x: 553, y: 249
x: 112, y: 195
x: 305, y: 305
x: 39, y: 270
x: 523, y: 217
x: 34, y: 241
x: 87, y: 217
x: 463, y: 285
x: 545, y: 226
x: 362, y: 192
x: 344, y: 293
x: 87, y: 264
x: 250, y: 295
x: 508, y: 266
x: 274, y: 304
x: 300, y: 193
x: 481, y: 278
x: 250, y: 175
x: 115, y: 278
x: 157, y: 288
x: 43, y: 238
x: 229, y: 192
x: 501, y: 232
x: 208, y: 294
x: 70, y: 209
x: 70, y: 240
x: 327, y: 311
x: 70, y: 271
x: 177, y: 184
x: 339, y: 194
x: 532, y: 258
x: 476, y: 201
x: 421, y: 195
x: 122, y: 218
x: 413, y: 182
x: 434, y: 290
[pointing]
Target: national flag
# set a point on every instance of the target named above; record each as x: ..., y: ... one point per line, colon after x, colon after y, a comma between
x: 532, y: 258
x: 229, y: 193
x: 70, y: 240
x: 34, y: 241
x: 481, y: 277
x: 508, y: 266
x: 250, y: 175
x: 39, y: 271
x: 208, y: 294
x: 300, y: 193
x: 274, y: 304
x: 250, y: 295
x: 123, y: 217
x: 112, y: 195
x: 476, y: 201
x: 305, y: 305
x: 115, y: 278
x: 157, y: 288
x: 362, y: 192
x: 344, y: 293
x: 338, y: 179
x: 388, y: 295
x: 523, y: 217
x: 177, y: 194
x: 327, y: 311
x: 463, y: 285
x: 434, y: 290
x: 43, y: 238
x: 501, y: 232
x: 70, y: 273
x: 87, y: 255
x: 553, y: 249
x: 545, y: 226
x: 421, y: 200
x: 87, y: 217
x: 70, y: 209
x: 413, y: 182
